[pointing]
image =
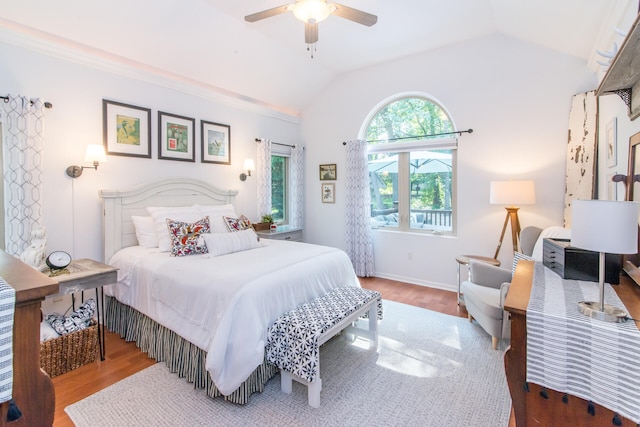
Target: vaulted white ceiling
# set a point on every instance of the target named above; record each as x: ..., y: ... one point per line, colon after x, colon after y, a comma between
x: 207, y: 42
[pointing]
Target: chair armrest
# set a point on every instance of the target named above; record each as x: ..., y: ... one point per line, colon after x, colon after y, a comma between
x: 504, y: 289
x: 488, y: 275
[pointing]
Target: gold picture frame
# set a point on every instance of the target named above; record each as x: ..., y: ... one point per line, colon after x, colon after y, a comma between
x: 328, y: 172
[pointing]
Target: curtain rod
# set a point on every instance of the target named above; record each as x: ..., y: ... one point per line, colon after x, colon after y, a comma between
x: 459, y: 132
x: 46, y: 104
x: 277, y: 143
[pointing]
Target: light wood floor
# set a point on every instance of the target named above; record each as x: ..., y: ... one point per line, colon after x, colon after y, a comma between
x: 124, y: 359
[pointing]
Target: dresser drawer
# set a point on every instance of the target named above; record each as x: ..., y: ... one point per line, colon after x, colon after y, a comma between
x: 290, y: 235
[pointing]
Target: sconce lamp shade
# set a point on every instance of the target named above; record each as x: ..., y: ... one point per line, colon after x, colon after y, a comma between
x: 512, y: 193
x: 249, y: 165
x: 95, y: 153
x: 605, y: 226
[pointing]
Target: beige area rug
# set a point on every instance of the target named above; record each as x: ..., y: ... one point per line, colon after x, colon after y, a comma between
x: 430, y: 369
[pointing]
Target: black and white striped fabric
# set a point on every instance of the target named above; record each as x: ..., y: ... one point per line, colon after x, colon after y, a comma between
x: 7, y: 307
x: 573, y: 353
x: 292, y: 341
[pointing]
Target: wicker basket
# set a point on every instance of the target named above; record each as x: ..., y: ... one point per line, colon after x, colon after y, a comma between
x: 69, y: 352
x: 261, y: 226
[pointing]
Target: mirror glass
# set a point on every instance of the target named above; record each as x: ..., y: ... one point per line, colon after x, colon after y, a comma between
x: 631, y: 263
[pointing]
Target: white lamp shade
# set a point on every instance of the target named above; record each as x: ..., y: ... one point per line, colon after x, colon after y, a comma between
x: 249, y: 165
x: 95, y: 153
x: 512, y: 192
x: 605, y: 226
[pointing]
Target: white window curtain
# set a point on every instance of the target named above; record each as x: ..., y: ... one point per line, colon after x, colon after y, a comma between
x: 296, y: 187
x: 22, y: 146
x: 358, y: 215
x: 263, y: 172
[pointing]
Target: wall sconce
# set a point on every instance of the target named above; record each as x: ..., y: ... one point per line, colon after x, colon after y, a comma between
x: 95, y: 153
x: 248, y: 166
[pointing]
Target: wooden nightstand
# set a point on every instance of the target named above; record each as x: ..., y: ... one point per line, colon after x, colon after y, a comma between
x: 85, y: 274
x: 284, y: 232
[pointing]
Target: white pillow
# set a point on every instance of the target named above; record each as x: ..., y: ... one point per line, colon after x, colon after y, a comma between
x: 215, y: 214
x: 178, y: 213
x: 47, y: 332
x: 145, y: 231
x: 226, y: 243
x: 549, y: 232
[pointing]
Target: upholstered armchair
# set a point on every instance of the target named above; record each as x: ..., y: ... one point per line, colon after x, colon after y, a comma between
x: 485, y: 292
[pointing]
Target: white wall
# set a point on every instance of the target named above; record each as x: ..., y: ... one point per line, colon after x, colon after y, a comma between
x: 515, y: 95
x: 72, y: 208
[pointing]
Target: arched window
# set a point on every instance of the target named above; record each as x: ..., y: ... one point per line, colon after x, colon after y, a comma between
x: 411, y: 165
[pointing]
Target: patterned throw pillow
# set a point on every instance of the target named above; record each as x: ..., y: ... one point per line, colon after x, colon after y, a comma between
x: 517, y: 256
x: 237, y: 224
x: 185, y: 236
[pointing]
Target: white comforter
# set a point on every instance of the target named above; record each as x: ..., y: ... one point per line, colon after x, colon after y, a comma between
x: 225, y: 304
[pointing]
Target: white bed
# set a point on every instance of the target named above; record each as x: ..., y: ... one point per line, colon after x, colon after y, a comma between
x: 211, y: 328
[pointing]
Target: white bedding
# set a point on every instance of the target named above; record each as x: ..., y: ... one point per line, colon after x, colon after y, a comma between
x: 225, y: 304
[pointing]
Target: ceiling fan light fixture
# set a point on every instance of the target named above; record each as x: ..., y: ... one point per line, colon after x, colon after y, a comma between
x: 306, y: 10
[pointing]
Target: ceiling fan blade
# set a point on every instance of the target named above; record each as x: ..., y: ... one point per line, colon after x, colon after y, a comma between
x: 310, y: 32
x: 355, y: 15
x: 267, y: 13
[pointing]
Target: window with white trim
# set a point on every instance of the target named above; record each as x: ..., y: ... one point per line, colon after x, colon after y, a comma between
x: 412, y: 166
x: 280, y: 184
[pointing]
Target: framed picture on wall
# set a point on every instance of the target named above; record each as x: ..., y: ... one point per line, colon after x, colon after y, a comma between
x: 215, y: 142
x: 126, y: 129
x: 611, y: 137
x: 328, y: 172
x: 176, y: 137
x: 328, y: 193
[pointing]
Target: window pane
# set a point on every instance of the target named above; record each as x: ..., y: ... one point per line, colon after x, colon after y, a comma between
x: 279, y: 188
x: 383, y: 176
x: 430, y: 189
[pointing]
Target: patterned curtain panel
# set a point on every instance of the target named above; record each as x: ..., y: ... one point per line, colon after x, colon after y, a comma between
x: 22, y: 144
x: 296, y: 202
x: 263, y: 172
x: 359, y: 236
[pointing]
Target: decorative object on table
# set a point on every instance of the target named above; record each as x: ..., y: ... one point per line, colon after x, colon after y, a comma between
x: 606, y: 227
x: 58, y: 260
x: 328, y: 193
x: 574, y: 263
x: 176, y: 137
x: 126, y: 129
x: 215, y: 142
x: 328, y: 172
x: 265, y: 223
x: 273, y: 227
x: 35, y: 254
x: 511, y: 193
x: 94, y: 154
x: 249, y: 166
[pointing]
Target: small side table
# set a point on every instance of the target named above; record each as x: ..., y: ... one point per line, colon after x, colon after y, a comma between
x: 84, y: 274
x: 464, y: 260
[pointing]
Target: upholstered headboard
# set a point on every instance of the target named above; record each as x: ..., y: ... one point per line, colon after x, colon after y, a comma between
x: 120, y: 205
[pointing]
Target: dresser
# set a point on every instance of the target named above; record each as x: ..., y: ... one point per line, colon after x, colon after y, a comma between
x: 283, y: 232
x: 532, y: 404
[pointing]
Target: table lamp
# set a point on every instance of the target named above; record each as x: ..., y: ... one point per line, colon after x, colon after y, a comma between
x: 604, y: 226
x: 511, y: 193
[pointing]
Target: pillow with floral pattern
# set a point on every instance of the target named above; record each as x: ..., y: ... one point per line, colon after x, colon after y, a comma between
x: 237, y: 224
x: 185, y: 236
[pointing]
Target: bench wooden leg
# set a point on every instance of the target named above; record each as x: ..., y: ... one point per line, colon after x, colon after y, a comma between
x: 373, y: 324
x: 313, y: 391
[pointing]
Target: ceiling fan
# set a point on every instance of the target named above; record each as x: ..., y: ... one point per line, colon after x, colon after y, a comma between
x: 313, y: 11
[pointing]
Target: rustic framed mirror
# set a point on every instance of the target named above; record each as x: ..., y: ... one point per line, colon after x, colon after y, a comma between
x: 631, y: 263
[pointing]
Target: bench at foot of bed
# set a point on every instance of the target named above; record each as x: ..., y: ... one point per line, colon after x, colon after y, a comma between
x: 294, y: 340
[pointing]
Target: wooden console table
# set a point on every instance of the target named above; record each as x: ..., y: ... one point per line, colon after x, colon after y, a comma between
x: 532, y: 408
x: 32, y: 388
